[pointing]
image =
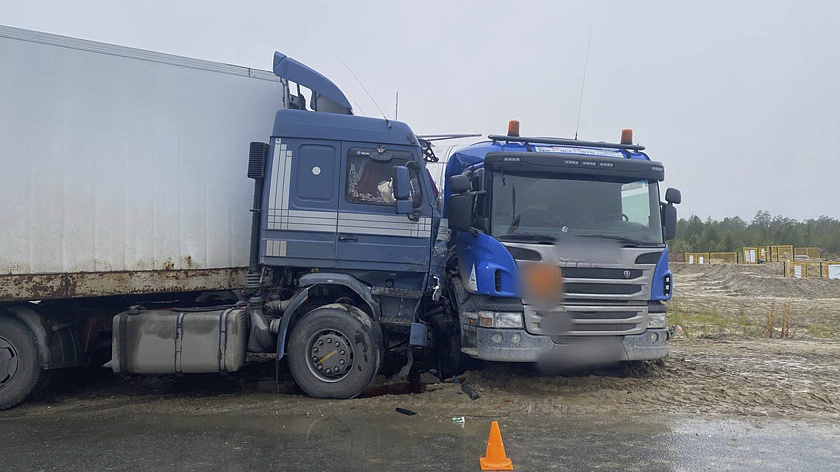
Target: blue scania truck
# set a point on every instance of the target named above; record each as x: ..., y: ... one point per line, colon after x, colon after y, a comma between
x: 535, y: 250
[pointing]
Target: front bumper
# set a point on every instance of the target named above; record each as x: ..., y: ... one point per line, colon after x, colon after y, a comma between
x: 652, y: 344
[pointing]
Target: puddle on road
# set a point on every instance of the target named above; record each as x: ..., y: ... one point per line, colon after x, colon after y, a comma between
x: 379, y: 439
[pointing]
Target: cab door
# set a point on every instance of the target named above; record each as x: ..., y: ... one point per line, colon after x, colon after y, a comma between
x: 371, y: 235
x: 301, y: 203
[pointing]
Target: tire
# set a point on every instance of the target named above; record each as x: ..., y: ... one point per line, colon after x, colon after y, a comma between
x: 451, y: 361
x: 20, y: 371
x: 315, y: 346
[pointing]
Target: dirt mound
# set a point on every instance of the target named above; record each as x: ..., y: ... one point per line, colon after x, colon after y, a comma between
x: 761, y: 281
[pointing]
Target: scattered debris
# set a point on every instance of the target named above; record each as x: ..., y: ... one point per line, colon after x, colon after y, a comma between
x: 406, y: 412
x: 467, y: 389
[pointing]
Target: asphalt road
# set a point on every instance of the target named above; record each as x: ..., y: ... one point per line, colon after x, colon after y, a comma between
x: 119, y: 438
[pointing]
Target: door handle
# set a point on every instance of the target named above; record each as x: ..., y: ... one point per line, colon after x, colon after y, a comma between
x: 348, y: 238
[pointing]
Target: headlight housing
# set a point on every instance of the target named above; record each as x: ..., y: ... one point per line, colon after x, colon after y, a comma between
x: 656, y: 320
x: 500, y: 319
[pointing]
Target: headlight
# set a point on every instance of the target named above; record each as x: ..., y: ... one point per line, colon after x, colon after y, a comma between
x: 500, y: 319
x: 656, y: 320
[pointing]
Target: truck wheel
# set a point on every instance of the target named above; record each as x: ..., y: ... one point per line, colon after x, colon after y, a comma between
x: 19, y: 368
x: 335, y: 351
x: 451, y: 361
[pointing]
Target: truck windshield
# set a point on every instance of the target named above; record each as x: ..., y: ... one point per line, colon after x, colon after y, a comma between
x: 544, y: 209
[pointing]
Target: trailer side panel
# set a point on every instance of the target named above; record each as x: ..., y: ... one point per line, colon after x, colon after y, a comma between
x: 117, y: 163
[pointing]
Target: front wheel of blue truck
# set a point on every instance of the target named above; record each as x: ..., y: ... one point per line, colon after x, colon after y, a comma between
x: 335, y: 351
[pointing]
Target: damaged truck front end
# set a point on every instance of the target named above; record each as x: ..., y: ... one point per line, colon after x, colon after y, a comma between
x: 561, y: 254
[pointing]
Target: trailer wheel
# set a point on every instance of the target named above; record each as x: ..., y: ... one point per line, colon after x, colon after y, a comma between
x: 335, y: 351
x: 20, y: 371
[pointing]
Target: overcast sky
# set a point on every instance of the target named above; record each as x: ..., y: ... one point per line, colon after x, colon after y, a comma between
x: 740, y: 100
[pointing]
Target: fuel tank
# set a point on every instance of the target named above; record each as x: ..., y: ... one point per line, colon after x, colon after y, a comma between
x: 169, y: 341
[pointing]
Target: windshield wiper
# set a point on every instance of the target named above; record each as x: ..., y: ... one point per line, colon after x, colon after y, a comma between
x: 527, y: 237
x: 617, y: 238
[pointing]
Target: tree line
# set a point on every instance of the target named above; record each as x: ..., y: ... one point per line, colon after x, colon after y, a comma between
x: 733, y: 233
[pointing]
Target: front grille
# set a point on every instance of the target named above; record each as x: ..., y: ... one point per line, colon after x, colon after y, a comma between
x: 603, y: 315
x: 606, y: 327
x: 602, y: 288
x: 588, y: 320
x: 602, y: 330
x: 597, y: 273
x: 583, y: 284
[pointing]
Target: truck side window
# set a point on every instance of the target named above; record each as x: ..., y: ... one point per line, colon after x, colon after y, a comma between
x: 416, y: 188
x: 477, y: 183
x: 371, y: 182
x: 635, y: 202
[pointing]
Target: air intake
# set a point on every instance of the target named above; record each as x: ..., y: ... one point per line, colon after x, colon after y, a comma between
x: 256, y: 160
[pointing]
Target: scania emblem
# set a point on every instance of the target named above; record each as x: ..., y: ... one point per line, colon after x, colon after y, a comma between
x: 627, y: 274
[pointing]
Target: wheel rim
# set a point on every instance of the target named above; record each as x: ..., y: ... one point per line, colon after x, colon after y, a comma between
x: 8, y: 362
x: 329, y: 355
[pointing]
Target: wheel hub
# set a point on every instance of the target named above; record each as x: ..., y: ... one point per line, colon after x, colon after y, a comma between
x: 330, y: 355
x: 8, y: 361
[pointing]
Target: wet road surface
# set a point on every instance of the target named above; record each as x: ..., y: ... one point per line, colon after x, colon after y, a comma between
x: 364, y: 440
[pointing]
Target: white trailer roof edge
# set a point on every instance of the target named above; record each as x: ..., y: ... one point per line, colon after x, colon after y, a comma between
x: 133, y: 53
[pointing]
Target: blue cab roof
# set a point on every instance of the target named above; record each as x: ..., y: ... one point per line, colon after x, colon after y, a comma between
x: 474, y: 154
x: 336, y: 126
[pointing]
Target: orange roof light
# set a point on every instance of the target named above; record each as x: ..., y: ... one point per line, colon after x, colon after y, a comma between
x: 627, y: 136
x: 513, y: 128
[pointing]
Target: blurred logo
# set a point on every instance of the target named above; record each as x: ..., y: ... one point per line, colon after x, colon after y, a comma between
x: 541, y: 284
x: 627, y: 274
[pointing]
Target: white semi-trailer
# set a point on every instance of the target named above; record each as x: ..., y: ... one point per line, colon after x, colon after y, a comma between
x: 121, y: 169
x: 121, y: 173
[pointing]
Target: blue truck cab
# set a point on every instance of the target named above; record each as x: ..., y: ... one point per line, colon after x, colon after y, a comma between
x: 590, y: 211
x: 355, y: 255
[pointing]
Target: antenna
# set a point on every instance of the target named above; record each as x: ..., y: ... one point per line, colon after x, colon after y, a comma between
x: 583, y: 83
x: 387, y: 121
x: 397, y: 106
x: 360, y: 108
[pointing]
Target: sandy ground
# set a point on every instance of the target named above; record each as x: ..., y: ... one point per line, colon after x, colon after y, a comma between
x: 786, y: 379
x: 744, y: 296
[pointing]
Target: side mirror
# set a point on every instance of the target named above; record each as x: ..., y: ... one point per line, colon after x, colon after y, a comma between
x: 402, y: 183
x: 459, y: 184
x: 673, y: 196
x: 669, y: 220
x: 460, y: 212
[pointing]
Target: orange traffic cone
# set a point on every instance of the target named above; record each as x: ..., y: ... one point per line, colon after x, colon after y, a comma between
x: 496, y: 458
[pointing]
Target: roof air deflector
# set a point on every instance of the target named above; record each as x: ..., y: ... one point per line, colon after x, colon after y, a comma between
x: 287, y: 68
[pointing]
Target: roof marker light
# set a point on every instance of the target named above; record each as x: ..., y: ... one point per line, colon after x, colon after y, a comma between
x: 513, y: 128
x: 627, y: 136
